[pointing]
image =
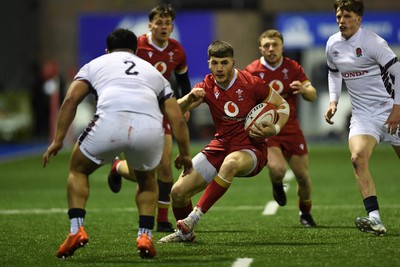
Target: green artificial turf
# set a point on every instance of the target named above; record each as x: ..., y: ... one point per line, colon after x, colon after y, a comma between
x: 33, y: 219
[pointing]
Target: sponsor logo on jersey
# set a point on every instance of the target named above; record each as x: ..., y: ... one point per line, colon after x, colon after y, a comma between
x: 161, y: 67
x: 335, y: 53
x: 231, y: 109
x: 277, y: 85
x: 354, y: 74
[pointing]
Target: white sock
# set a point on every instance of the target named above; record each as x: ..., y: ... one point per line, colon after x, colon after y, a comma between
x: 196, y: 214
x: 75, y: 224
x: 374, y: 214
x: 141, y: 231
x: 117, y: 167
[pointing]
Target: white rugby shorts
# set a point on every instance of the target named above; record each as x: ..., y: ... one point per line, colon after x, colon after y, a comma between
x: 374, y: 126
x: 140, y: 137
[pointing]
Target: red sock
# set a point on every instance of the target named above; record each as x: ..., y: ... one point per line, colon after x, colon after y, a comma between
x: 182, y: 213
x: 213, y: 192
x: 162, y: 215
x: 305, y: 206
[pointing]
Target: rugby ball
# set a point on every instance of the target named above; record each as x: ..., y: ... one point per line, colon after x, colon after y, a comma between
x: 260, y: 113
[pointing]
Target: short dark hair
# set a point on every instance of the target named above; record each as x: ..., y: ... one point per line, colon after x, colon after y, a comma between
x: 162, y: 10
x: 356, y: 6
x: 270, y: 34
x: 220, y: 49
x: 121, y: 39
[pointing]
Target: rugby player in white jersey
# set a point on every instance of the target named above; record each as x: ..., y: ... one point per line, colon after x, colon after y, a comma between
x: 132, y: 97
x: 371, y: 72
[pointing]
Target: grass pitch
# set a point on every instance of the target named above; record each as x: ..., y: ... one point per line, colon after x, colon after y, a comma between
x: 33, y: 219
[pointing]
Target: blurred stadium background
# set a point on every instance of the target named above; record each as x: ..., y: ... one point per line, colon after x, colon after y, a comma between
x: 45, y: 41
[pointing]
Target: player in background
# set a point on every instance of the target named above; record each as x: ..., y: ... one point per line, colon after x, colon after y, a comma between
x: 371, y: 72
x: 131, y: 97
x: 230, y: 94
x: 168, y: 56
x: 287, y: 77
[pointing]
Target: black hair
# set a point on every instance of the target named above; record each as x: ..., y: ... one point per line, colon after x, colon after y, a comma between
x: 220, y: 49
x: 162, y: 10
x: 356, y: 6
x: 121, y: 39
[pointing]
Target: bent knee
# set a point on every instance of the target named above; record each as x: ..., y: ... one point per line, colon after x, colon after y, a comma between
x: 359, y: 160
x: 178, y: 194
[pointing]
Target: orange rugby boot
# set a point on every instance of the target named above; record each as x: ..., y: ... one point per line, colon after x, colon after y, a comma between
x: 146, y: 247
x: 72, y: 243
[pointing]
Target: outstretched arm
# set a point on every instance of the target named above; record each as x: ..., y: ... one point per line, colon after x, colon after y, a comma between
x: 181, y: 134
x: 191, y: 100
x: 77, y: 91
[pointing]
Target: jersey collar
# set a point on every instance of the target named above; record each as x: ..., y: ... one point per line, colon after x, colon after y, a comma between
x: 265, y: 64
x: 154, y: 44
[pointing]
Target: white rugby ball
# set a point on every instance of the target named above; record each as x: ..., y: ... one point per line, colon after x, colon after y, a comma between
x: 260, y: 113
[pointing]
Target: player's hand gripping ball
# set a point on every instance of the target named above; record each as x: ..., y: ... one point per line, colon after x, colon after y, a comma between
x: 260, y: 113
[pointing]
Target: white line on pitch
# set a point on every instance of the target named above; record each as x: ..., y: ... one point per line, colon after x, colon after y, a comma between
x: 242, y: 262
x: 271, y: 207
x: 222, y: 208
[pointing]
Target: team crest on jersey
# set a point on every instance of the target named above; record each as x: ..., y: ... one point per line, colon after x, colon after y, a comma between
x: 171, y: 56
x: 285, y: 72
x: 358, y: 52
x: 240, y: 96
x: 277, y: 85
x: 231, y: 109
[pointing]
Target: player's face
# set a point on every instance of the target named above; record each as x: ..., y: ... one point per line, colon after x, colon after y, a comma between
x: 271, y: 49
x: 222, y: 69
x: 161, y: 28
x: 348, y: 22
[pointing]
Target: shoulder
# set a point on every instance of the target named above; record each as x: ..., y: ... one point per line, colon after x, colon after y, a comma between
x: 246, y: 76
x: 371, y: 38
x: 290, y: 62
x: 142, y: 38
x: 174, y: 44
x: 334, y: 38
x: 253, y: 65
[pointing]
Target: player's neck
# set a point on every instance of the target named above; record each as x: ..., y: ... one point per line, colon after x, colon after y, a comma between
x: 160, y: 43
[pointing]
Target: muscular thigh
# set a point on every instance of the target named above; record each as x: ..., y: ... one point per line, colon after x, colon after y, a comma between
x: 362, y: 145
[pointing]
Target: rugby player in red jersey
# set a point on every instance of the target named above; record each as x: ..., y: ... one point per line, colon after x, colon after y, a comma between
x: 230, y: 94
x: 287, y: 77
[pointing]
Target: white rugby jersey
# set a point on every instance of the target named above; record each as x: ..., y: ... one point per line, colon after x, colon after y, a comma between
x: 363, y: 62
x: 124, y: 82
